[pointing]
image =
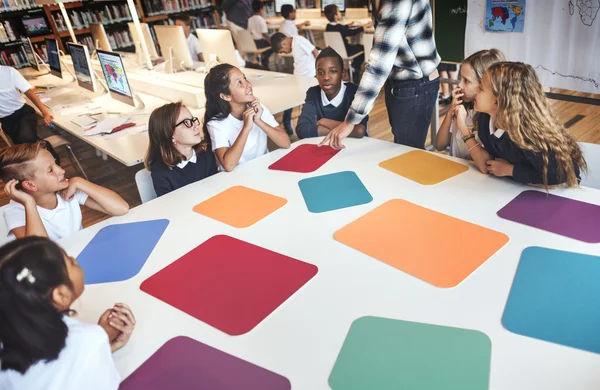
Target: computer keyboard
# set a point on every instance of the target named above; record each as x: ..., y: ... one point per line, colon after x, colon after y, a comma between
x: 84, y: 121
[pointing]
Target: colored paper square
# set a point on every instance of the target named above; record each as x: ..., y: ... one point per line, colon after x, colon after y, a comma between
x: 381, y: 353
x: 304, y: 159
x: 240, y: 206
x: 118, y: 252
x: 554, y: 297
x: 401, y: 234
x: 423, y: 167
x: 186, y: 364
x: 556, y: 214
x: 229, y: 284
x: 333, y: 192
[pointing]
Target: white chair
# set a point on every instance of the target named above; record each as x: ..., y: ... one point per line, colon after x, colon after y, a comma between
x: 246, y: 45
x: 3, y: 228
x: 591, y: 153
x: 143, y: 180
x: 356, y: 13
x: 334, y: 40
x: 306, y: 13
x: 368, y: 45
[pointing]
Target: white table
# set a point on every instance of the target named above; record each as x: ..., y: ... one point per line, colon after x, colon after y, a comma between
x: 302, y: 339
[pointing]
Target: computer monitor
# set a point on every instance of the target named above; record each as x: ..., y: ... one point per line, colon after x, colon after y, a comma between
x: 341, y: 4
x: 173, y: 38
x: 147, y: 38
x: 83, y: 66
x: 279, y: 3
x: 219, y: 43
x: 116, y: 78
x: 30, y: 54
x: 100, y: 38
x: 53, y: 57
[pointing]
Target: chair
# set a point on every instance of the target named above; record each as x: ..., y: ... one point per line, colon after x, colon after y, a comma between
x: 334, y: 40
x: 368, y: 45
x: 591, y: 153
x: 246, y: 45
x: 356, y: 13
x: 3, y: 228
x: 56, y: 141
x: 305, y: 13
x: 143, y: 180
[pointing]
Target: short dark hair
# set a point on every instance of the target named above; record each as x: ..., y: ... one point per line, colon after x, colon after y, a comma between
x: 185, y: 19
x: 330, y: 11
x: 328, y: 52
x: 286, y: 10
x: 31, y: 328
x: 276, y: 40
x: 257, y: 5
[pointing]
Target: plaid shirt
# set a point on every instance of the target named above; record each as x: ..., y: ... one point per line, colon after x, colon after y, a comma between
x: 403, y: 49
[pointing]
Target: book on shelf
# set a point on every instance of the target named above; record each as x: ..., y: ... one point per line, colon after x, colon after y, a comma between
x: 119, y: 39
x: 158, y: 7
x: 206, y: 20
x: 17, y: 5
x: 15, y: 59
x: 81, y: 18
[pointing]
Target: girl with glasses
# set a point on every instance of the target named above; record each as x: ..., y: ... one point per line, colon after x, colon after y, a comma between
x: 177, y: 154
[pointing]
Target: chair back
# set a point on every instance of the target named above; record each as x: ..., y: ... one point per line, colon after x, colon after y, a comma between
x: 143, y: 180
x: 334, y: 40
x: 244, y: 41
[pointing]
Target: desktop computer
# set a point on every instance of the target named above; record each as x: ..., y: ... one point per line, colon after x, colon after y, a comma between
x: 146, y: 36
x: 219, y: 43
x: 279, y: 3
x: 174, y: 47
x: 53, y: 57
x: 82, y: 65
x: 116, y: 78
x: 341, y: 4
x: 32, y: 57
x: 100, y: 38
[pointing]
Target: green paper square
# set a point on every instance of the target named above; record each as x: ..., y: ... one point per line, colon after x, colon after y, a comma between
x: 381, y: 353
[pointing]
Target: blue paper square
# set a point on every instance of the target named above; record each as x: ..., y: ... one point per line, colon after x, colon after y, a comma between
x: 118, y: 252
x: 333, y: 192
x: 554, y: 298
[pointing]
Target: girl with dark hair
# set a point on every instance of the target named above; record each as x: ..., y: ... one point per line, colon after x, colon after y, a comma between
x: 41, y: 346
x: 177, y: 154
x: 235, y: 121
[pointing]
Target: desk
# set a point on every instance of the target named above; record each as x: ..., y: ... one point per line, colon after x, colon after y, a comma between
x: 302, y: 339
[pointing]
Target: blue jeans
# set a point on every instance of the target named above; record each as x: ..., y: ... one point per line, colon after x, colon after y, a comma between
x: 410, y: 106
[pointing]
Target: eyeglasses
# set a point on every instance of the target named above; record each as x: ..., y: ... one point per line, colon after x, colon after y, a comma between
x: 189, y: 122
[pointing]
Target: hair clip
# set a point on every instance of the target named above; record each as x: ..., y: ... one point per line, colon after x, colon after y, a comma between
x: 26, y: 273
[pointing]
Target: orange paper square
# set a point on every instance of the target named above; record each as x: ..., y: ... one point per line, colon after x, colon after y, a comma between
x: 423, y: 167
x: 240, y: 206
x: 434, y: 247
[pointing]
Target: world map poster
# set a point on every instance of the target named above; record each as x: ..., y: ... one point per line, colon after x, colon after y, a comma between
x: 505, y: 15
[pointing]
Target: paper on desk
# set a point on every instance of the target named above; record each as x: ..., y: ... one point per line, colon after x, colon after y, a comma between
x: 70, y: 109
x: 129, y: 131
x: 105, y: 126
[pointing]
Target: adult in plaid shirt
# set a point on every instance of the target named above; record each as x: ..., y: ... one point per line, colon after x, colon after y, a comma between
x: 403, y: 58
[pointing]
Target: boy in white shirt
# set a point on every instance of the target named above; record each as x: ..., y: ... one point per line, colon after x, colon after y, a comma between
x: 303, y: 51
x: 257, y: 25
x: 19, y: 120
x: 289, y: 27
x: 193, y: 43
x: 43, y: 201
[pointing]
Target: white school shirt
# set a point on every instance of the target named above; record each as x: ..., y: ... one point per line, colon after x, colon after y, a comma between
x: 193, y: 45
x: 60, y: 222
x: 458, y: 148
x: 257, y: 26
x: 85, y: 362
x: 11, y: 82
x: 304, y: 60
x: 288, y: 27
x: 224, y: 132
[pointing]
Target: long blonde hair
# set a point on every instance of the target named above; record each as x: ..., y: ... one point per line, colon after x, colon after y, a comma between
x: 524, y: 112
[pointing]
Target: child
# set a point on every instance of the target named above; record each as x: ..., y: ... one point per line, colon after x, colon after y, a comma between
x: 327, y: 104
x: 471, y: 70
x: 303, y: 51
x: 522, y: 137
x: 42, y: 346
x: 19, y: 120
x: 288, y: 27
x: 193, y: 43
x: 258, y: 29
x: 176, y: 155
x: 332, y: 13
x: 43, y: 201
x: 236, y: 122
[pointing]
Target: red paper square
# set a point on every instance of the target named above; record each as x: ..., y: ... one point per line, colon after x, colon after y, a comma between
x: 229, y: 284
x: 304, y: 159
